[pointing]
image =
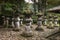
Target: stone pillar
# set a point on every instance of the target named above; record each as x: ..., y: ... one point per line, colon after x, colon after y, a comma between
x: 45, y: 21
x: 39, y: 23
x: 17, y: 23
x: 51, y: 25
x: 56, y: 21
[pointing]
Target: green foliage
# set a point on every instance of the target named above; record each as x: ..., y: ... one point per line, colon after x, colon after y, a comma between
x: 8, y: 6
x: 7, y: 9
x: 22, y: 6
x: 52, y: 3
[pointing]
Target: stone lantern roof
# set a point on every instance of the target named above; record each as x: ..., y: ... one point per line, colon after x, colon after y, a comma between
x: 45, y: 17
x: 54, y: 9
x: 39, y: 14
x: 50, y: 16
x: 27, y: 11
x: 55, y: 17
x: 21, y: 16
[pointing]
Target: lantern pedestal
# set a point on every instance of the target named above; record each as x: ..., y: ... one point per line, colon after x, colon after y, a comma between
x: 27, y: 34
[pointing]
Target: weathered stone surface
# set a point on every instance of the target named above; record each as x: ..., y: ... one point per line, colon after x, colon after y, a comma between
x: 39, y: 23
x: 39, y: 28
x: 45, y: 20
x: 17, y: 22
x: 50, y: 27
x: 12, y: 23
x: 21, y: 21
x: 50, y: 23
x: 27, y: 34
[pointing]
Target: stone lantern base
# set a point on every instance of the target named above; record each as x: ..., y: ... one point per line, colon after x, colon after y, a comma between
x: 50, y: 27
x: 39, y: 28
x: 27, y: 34
x: 56, y: 25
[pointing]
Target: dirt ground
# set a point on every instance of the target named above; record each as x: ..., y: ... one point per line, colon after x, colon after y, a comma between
x: 9, y: 34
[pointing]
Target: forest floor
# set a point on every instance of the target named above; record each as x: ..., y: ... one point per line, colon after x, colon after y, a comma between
x: 9, y: 34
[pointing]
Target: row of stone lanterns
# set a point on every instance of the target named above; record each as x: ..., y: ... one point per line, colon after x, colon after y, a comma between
x: 50, y: 22
x: 53, y: 22
x: 5, y: 21
x: 41, y: 20
x: 13, y: 20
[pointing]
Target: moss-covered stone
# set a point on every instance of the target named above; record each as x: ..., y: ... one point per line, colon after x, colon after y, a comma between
x: 39, y: 28
x: 27, y: 34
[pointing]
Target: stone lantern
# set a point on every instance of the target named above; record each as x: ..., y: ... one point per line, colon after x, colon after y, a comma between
x: 17, y: 22
x: 21, y: 20
x: 12, y: 23
x: 56, y: 21
x: 7, y: 21
x: 39, y: 22
x: 28, y: 22
x: 51, y: 25
x: 45, y: 21
x: 4, y: 21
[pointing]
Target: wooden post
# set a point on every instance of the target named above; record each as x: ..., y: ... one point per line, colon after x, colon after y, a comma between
x: 31, y: 21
